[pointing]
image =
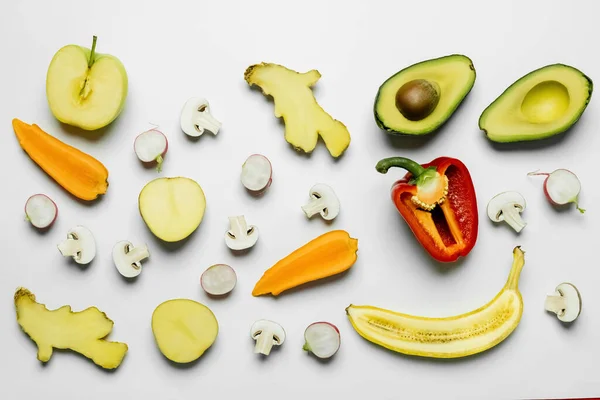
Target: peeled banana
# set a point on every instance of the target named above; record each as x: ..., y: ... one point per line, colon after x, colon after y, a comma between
x: 450, y: 337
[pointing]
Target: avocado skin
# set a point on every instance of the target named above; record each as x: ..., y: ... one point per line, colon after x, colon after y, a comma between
x: 451, y: 110
x: 506, y: 91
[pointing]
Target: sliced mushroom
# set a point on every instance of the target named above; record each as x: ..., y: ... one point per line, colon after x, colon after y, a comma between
x: 80, y: 245
x: 565, y: 302
x: 196, y: 118
x: 240, y: 236
x: 127, y: 258
x: 507, y: 207
x: 267, y: 334
x: 323, y: 201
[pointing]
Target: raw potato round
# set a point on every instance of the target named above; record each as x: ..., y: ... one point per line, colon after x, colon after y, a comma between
x: 172, y: 208
x: 184, y: 329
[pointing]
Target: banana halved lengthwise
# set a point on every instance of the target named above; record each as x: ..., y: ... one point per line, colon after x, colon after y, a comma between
x: 451, y: 337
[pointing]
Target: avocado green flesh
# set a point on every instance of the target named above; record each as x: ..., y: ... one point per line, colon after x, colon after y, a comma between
x: 541, y: 104
x: 455, y: 76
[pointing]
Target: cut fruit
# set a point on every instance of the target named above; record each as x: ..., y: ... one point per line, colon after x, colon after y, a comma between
x: 561, y: 187
x: 84, y: 88
x: 257, y: 173
x: 449, y: 337
x: 82, y: 331
x: 172, y: 208
x: 541, y: 104
x: 150, y: 147
x: 295, y: 102
x: 422, y: 97
x: 322, y: 339
x: 41, y: 211
x: 218, y: 280
x: 184, y: 329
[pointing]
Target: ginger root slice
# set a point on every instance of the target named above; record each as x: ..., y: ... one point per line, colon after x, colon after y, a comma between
x: 81, y: 331
x: 295, y: 102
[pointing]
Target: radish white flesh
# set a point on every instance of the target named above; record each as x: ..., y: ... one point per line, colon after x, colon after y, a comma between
x: 561, y: 187
x: 322, y: 339
x: 218, y: 279
x: 257, y: 173
x: 41, y: 211
x: 151, y: 146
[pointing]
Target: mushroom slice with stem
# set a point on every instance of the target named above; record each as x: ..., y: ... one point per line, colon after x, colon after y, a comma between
x: 323, y: 201
x: 266, y: 334
x: 196, y: 118
x: 507, y: 207
x: 240, y: 236
x: 127, y: 258
x: 80, y: 245
x: 565, y: 302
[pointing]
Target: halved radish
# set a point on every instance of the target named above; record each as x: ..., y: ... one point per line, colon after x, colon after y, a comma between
x: 322, y: 339
x: 218, y: 279
x: 41, y: 211
x: 257, y: 173
x: 561, y: 187
x: 151, y: 146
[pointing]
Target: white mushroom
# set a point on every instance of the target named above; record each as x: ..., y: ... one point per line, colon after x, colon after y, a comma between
x: 565, y: 302
x: 267, y: 334
x: 196, y: 118
x: 128, y: 259
x: 240, y: 236
x: 80, y: 245
x: 507, y: 207
x: 323, y: 201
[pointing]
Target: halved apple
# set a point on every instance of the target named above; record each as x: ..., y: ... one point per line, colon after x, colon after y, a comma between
x: 172, y: 208
x: 84, y: 88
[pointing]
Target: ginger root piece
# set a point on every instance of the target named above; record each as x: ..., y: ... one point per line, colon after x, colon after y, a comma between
x: 304, y: 119
x: 81, y: 331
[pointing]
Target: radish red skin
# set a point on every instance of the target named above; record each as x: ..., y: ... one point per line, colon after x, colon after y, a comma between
x: 268, y: 184
x: 55, y: 211
x: 547, y: 192
x: 339, y: 338
x: 152, y: 163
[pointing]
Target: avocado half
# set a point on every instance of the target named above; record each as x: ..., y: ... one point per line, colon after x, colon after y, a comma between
x: 543, y: 103
x: 453, y: 75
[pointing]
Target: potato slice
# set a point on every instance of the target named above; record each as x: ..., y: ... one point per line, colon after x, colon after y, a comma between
x: 184, y: 329
x: 172, y: 208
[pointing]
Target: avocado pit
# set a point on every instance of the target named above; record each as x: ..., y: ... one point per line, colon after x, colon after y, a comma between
x: 545, y: 102
x: 417, y: 99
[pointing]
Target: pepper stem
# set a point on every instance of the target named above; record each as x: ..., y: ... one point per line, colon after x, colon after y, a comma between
x: 411, y: 166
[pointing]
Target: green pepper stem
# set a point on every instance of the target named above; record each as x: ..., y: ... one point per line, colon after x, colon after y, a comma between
x: 411, y: 166
x: 93, y: 52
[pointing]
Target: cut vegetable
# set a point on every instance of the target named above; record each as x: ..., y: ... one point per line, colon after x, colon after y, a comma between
x: 295, y: 102
x: 240, y: 236
x: 561, y: 187
x: 128, y: 259
x: 218, y: 280
x: 323, y: 202
x: 322, y: 339
x: 450, y: 337
x: 507, y: 207
x: 82, y: 331
x: 77, y: 172
x: 329, y: 254
x: 565, y: 302
x: 172, y: 208
x: 41, y: 211
x: 196, y: 118
x: 150, y: 147
x: 267, y: 334
x: 257, y: 174
x: 80, y: 245
x: 184, y: 329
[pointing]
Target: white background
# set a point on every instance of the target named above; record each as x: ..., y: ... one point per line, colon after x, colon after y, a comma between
x: 175, y: 50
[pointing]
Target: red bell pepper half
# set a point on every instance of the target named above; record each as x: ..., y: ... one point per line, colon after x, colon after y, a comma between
x: 437, y: 201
